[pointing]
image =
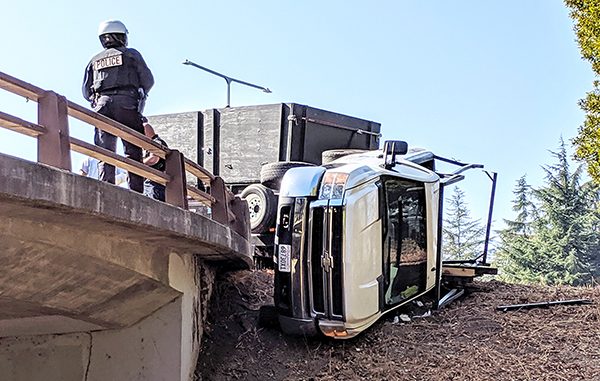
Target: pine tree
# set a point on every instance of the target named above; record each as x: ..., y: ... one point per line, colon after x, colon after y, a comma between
x: 463, y: 237
x: 524, y: 208
x: 517, y: 256
x: 561, y: 246
x: 568, y: 218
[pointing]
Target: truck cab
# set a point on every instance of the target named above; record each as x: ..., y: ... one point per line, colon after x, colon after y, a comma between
x: 355, y: 239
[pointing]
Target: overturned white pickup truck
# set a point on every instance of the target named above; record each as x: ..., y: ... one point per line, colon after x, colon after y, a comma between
x: 360, y: 236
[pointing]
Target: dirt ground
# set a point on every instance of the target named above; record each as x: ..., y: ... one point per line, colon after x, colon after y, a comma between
x: 468, y: 340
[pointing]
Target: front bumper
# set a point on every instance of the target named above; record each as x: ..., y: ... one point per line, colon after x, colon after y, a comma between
x: 297, y: 326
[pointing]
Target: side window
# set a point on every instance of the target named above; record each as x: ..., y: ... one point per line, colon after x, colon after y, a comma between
x: 414, y: 229
x: 405, y: 239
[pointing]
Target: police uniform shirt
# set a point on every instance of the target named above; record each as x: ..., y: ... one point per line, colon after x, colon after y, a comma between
x: 116, y: 69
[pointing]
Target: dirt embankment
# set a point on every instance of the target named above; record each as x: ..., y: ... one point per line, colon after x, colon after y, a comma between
x: 469, y: 340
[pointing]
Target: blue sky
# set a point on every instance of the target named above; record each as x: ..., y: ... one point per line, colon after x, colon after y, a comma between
x: 479, y: 81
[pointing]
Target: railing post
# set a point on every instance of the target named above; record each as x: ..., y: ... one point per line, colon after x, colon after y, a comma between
x: 239, y: 207
x: 229, y: 212
x: 54, y: 145
x: 176, y: 190
x: 220, y: 209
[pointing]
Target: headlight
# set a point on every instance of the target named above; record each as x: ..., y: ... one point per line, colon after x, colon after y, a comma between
x: 333, y: 185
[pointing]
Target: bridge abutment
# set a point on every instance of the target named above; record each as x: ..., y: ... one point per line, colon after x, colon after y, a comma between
x: 101, y: 283
x: 162, y: 346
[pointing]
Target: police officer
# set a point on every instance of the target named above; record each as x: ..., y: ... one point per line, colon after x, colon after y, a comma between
x: 153, y: 189
x: 116, y: 83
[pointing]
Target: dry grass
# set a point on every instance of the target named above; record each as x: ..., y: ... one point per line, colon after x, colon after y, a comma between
x: 469, y: 340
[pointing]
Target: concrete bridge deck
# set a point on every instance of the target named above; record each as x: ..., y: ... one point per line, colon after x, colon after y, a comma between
x: 80, y: 255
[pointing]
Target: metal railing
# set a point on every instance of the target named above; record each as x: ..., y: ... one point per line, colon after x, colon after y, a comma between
x: 54, y: 145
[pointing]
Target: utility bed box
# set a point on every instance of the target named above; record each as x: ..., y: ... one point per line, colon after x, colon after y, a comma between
x: 235, y: 142
x: 242, y: 139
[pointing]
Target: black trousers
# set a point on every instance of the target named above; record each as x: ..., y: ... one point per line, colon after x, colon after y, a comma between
x: 154, y: 190
x: 123, y: 109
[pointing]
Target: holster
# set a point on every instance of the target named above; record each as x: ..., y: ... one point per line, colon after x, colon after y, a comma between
x: 94, y: 100
x: 141, y: 101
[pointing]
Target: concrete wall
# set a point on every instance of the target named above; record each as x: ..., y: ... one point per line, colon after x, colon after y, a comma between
x: 195, y: 280
x: 141, y: 352
x: 179, y: 131
x: 163, y: 346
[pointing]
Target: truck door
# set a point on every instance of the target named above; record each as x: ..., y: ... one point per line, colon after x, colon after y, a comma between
x: 404, y: 240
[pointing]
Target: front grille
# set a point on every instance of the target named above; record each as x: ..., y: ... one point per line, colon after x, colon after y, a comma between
x: 316, y: 251
x: 326, y: 261
x: 337, y: 226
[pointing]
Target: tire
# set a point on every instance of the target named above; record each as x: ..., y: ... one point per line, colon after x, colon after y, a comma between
x: 268, y: 316
x: 262, y: 207
x: 333, y: 154
x: 272, y: 173
x: 263, y: 258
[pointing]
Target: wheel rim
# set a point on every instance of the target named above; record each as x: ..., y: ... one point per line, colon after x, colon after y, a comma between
x: 254, y: 207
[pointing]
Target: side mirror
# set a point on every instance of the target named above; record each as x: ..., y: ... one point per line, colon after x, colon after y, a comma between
x: 391, y: 148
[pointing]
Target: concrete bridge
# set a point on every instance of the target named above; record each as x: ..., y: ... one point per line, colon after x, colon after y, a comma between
x: 98, y: 282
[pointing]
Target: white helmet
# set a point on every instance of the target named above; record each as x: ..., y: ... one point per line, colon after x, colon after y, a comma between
x: 111, y: 26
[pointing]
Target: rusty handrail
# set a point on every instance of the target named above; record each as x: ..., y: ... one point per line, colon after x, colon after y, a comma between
x: 55, y: 143
x: 199, y: 172
x: 106, y: 124
x: 22, y: 88
x: 201, y: 196
x: 19, y: 125
x: 102, y: 154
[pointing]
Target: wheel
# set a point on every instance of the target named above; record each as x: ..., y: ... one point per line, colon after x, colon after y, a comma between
x: 263, y: 258
x: 262, y: 205
x: 272, y: 173
x: 333, y: 154
x: 268, y: 317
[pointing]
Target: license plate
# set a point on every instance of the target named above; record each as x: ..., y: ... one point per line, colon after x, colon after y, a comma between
x: 284, y: 258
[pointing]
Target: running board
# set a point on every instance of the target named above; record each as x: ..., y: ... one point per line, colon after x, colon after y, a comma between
x: 450, y: 297
x: 466, y: 270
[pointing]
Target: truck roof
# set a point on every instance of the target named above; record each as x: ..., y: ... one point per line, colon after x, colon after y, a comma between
x: 363, y: 166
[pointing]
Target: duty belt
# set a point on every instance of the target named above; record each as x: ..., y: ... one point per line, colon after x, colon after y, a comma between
x: 130, y: 91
